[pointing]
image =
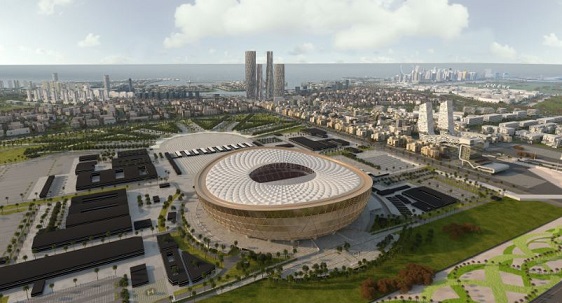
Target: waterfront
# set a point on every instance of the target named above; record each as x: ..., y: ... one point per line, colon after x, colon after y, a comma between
x: 296, y: 74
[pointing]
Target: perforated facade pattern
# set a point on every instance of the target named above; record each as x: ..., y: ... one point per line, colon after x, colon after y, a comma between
x: 229, y: 178
x: 309, y: 195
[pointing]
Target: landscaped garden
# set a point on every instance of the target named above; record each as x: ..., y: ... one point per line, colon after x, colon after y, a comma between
x: 209, y: 122
x: 516, y: 272
x: 498, y: 221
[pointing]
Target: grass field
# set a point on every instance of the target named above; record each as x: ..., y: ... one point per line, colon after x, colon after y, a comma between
x: 499, y: 221
x: 552, y: 105
x: 12, y: 154
x: 8, y: 106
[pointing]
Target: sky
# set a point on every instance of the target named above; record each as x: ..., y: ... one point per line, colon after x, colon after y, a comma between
x: 297, y: 31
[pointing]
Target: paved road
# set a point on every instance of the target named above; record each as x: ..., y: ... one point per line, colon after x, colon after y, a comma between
x: 102, y: 291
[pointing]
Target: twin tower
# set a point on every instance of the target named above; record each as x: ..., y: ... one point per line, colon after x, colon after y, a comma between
x: 274, y: 78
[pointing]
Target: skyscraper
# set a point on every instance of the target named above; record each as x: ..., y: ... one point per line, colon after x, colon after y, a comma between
x: 106, y: 84
x: 279, y: 83
x: 131, y: 88
x: 425, y: 119
x: 55, y: 77
x: 259, y: 83
x: 251, y: 74
x: 269, y: 76
x: 446, y: 122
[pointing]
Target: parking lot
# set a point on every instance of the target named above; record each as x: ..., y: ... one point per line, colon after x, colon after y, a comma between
x: 28, y: 177
x: 8, y: 225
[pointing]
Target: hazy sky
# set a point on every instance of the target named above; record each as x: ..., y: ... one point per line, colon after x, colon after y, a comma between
x: 315, y: 31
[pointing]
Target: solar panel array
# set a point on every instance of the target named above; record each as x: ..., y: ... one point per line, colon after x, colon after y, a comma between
x: 210, y: 150
x: 428, y: 199
x: 403, y: 209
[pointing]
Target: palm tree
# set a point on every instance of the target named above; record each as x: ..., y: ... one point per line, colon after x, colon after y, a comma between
x: 96, y: 270
x: 52, y: 286
x: 115, y: 270
x: 75, y: 280
x: 7, y: 198
x: 26, y: 289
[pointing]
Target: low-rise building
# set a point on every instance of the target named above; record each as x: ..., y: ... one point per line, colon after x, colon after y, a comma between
x: 414, y: 146
x: 551, y: 140
x: 18, y: 131
x: 432, y: 151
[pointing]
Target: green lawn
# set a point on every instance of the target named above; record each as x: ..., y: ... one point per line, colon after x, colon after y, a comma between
x: 12, y: 154
x: 552, y: 106
x: 500, y: 222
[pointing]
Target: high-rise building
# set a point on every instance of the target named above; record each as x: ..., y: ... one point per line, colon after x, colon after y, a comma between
x: 269, y: 76
x: 55, y: 77
x: 279, y: 83
x: 446, y: 122
x: 259, y: 82
x: 106, y: 84
x: 425, y: 119
x: 251, y: 74
x: 131, y: 88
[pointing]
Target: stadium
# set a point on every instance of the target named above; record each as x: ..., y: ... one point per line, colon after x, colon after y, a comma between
x: 281, y: 194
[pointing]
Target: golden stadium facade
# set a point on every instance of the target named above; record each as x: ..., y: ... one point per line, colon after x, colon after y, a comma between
x: 281, y: 193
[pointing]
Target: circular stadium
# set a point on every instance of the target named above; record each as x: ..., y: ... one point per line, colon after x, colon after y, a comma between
x: 282, y: 194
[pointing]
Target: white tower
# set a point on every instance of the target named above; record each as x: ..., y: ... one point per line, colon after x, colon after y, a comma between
x: 446, y: 122
x: 425, y: 119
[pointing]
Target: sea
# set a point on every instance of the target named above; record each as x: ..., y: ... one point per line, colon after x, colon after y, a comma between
x: 295, y: 74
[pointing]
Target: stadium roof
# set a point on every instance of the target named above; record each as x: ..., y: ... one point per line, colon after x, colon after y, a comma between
x: 496, y: 167
x: 229, y: 177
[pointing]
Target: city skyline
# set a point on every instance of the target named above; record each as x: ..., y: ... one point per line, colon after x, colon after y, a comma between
x: 309, y: 32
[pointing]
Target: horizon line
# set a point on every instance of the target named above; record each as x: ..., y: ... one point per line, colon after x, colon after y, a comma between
x: 291, y: 63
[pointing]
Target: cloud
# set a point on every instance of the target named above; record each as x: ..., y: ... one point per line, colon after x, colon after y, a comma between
x: 552, y: 40
x: 503, y: 51
x: 116, y: 59
x: 302, y: 49
x: 352, y: 25
x: 47, y: 7
x: 90, y: 41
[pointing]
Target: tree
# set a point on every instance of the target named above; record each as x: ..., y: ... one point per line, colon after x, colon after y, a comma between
x: 2, y: 208
x: 368, y: 289
x: 115, y: 270
x: 75, y: 280
x: 52, y: 286
x: 26, y: 289
x: 96, y: 270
